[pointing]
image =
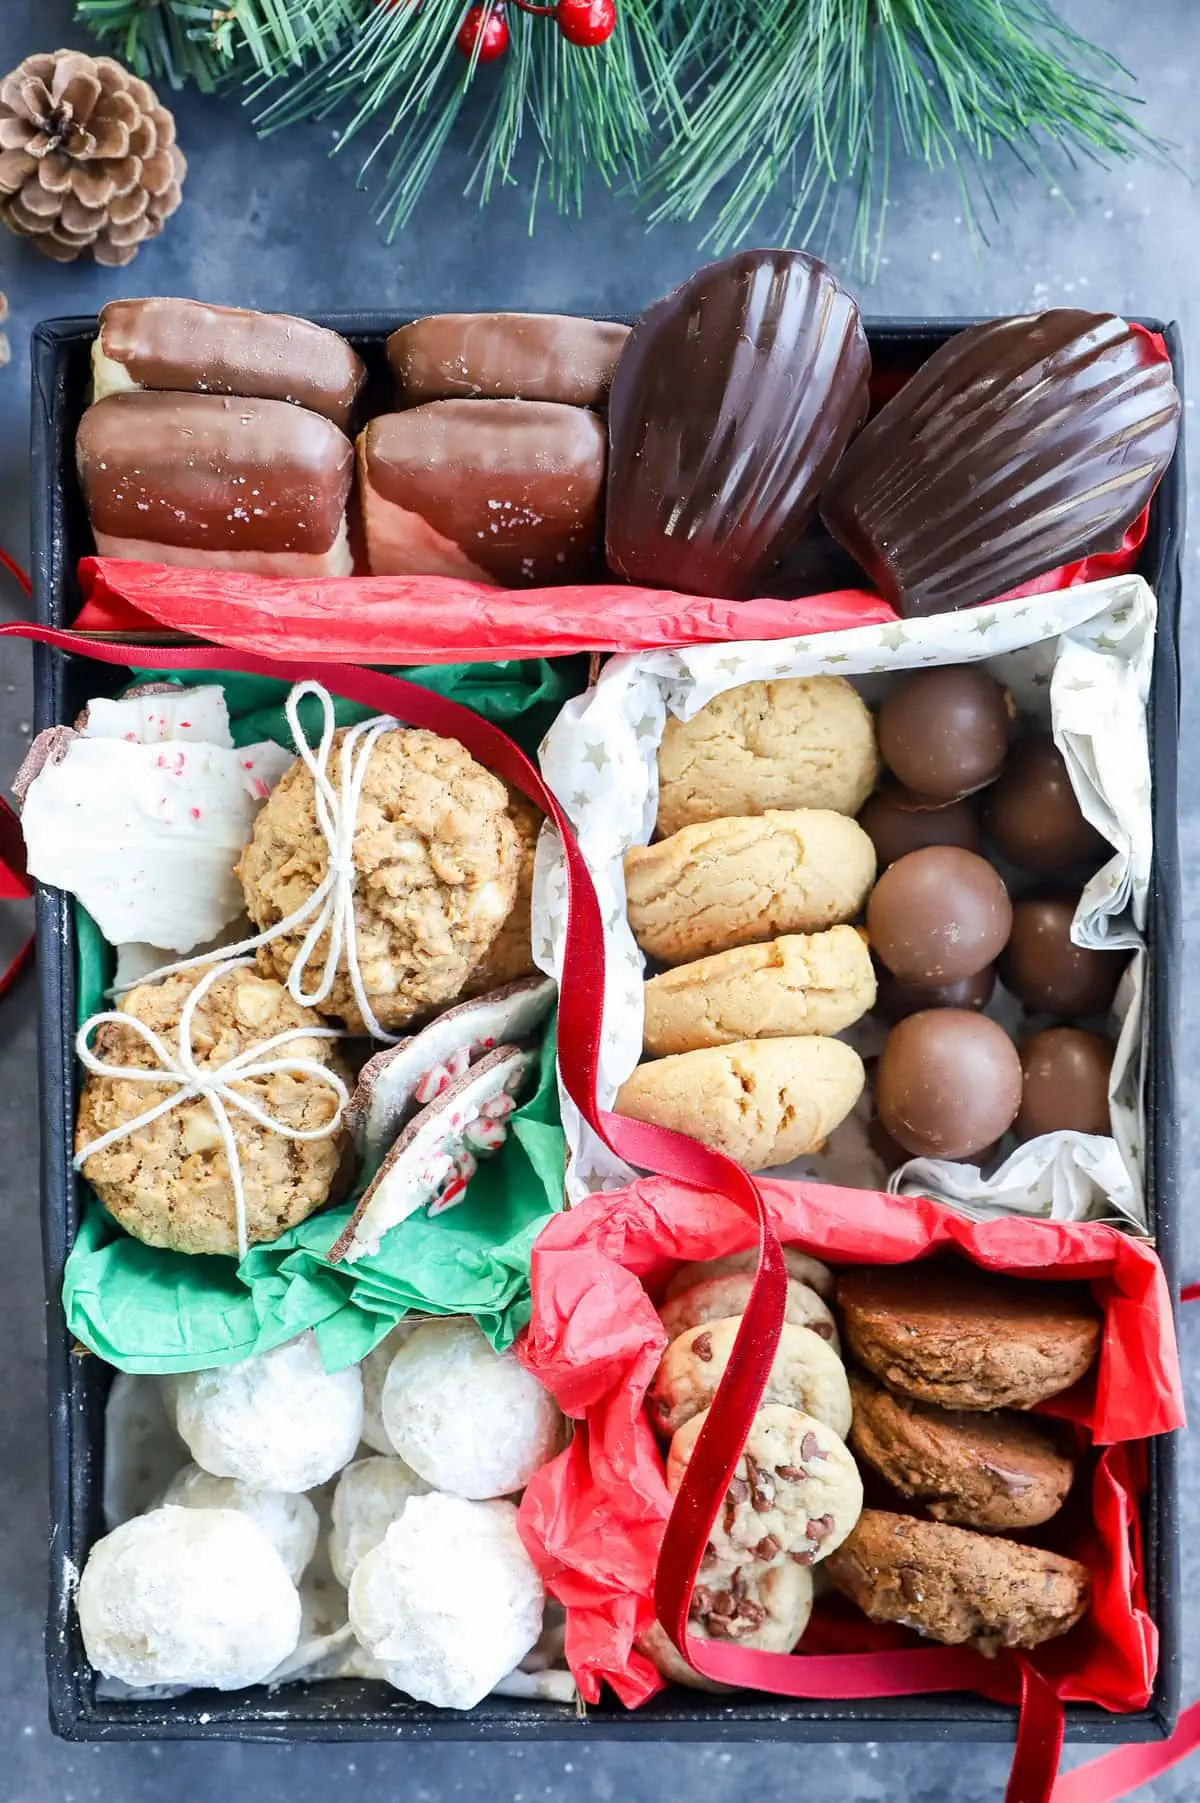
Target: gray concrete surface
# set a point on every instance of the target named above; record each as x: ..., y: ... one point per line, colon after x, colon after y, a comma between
x: 279, y: 226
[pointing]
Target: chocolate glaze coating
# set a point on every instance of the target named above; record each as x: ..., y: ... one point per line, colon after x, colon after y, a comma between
x: 1065, y: 1083
x: 505, y: 356
x: 1020, y: 445
x: 948, y: 1083
x: 1033, y: 818
x: 897, y: 822
x: 732, y: 401
x: 943, y: 733
x: 938, y: 915
x: 894, y: 1000
x: 1042, y: 967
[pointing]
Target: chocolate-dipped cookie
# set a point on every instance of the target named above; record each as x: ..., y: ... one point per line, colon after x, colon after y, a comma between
x: 185, y: 346
x: 1020, y: 445
x: 732, y: 401
x: 211, y: 482
x: 505, y: 356
x: 947, y: 1084
x: 509, y: 492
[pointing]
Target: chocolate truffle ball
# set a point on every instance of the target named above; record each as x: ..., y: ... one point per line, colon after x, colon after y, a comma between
x: 1065, y: 1083
x: 938, y: 915
x: 1033, y: 817
x: 895, y: 1000
x: 897, y: 823
x: 944, y: 733
x: 1042, y: 967
x: 948, y: 1083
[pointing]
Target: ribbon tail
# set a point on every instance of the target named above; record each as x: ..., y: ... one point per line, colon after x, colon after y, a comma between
x: 1039, y: 1741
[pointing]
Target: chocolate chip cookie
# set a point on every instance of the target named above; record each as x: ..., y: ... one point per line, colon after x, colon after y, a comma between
x: 998, y: 1472
x: 946, y: 1332
x: 795, y: 1494
x: 807, y: 1374
x: 958, y: 1587
x: 717, y: 1298
x: 799, y: 1264
x: 753, y: 1605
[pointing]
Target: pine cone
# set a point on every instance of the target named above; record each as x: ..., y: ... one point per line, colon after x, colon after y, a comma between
x: 88, y: 161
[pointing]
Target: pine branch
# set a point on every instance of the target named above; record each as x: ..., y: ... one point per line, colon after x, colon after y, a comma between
x: 204, y: 40
x: 816, y: 98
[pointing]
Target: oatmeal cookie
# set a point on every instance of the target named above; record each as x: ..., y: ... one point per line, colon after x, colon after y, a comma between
x: 801, y: 983
x: 732, y: 882
x: 716, y: 1298
x: 958, y: 1587
x: 509, y: 958
x: 807, y: 1374
x: 804, y: 1269
x: 795, y: 1494
x: 998, y: 1471
x: 754, y: 1605
x: 761, y: 1102
x: 946, y: 1332
x: 436, y: 858
x: 168, y: 1184
x: 803, y: 742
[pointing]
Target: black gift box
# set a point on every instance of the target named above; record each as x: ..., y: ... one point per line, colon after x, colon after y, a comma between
x: 351, y: 1710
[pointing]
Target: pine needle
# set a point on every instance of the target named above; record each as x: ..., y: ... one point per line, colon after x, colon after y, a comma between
x: 204, y: 40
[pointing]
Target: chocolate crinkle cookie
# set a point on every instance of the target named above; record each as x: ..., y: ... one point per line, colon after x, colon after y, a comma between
x: 436, y: 860
x: 958, y: 1587
x: 943, y: 1331
x: 169, y: 1183
x: 998, y: 1471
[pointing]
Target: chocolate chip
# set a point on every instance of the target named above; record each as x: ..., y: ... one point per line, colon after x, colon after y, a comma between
x: 762, y: 1490
x: 795, y: 1474
x: 737, y: 1582
x: 722, y: 1605
x: 810, y: 1447
x: 702, y: 1347
x: 719, y: 1628
x: 823, y: 1328
x: 802, y: 1558
x: 739, y: 1489
x: 767, y: 1548
x: 702, y: 1600
x: 750, y: 1615
x: 820, y: 1529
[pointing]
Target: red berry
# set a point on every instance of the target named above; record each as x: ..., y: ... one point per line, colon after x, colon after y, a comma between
x: 486, y: 27
x: 586, y: 22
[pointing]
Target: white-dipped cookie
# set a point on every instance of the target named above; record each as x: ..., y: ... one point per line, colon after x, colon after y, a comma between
x: 795, y: 1495
x: 807, y: 1375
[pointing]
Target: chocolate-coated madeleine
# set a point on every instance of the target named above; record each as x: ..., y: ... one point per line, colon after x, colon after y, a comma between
x: 948, y: 1083
x: 731, y: 403
x: 505, y: 356
x: 943, y: 733
x: 1043, y: 967
x: 1033, y: 818
x: 1065, y: 1074
x: 938, y: 915
x: 1022, y: 444
x: 897, y: 822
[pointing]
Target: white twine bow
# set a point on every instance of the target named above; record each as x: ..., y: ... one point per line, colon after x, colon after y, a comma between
x: 212, y: 1084
x: 330, y: 907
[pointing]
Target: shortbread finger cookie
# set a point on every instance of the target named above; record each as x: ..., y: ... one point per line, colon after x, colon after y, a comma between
x: 958, y: 1587
x: 946, y: 1332
x: 997, y: 1471
x: 807, y: 1374
x: 737, y: 882
x: 795, y: 1494
x: 761, y: 1102
x: 799, y: 1264
x: 798, y: 984
x: 803, y: 742
x: 750, y: 1604
x: 717, y: 1298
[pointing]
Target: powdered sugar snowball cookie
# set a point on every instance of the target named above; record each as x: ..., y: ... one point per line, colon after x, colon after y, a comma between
x: 187, y: 1596
x: 288, y: 1519
x: 168, y: 1184
x: 468, y: 1420
x: 449, y: 1601
x: 374, y: 1369
x: 370, y: 1495
x: 800, y: 1265
x: 807, y: 1374
x: 796, y: 1492
x: 435, y: 859
x: 719, y: 1298
x: 278, y: 1420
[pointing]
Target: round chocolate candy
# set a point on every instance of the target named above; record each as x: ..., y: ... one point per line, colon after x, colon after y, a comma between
x: 948, y: 1083
x: 897, y: 822
x: 895, y: 1000
x: 1033, y: 817
x: 938, y: 915
x: 1045, y: 970
x: 1065, y: 1083
x: 943, y: 733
